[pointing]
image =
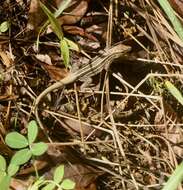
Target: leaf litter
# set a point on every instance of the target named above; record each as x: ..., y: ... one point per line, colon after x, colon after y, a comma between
x: 131, y: 140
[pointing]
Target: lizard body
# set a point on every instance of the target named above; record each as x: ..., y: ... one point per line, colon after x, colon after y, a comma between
x: 96, y: 65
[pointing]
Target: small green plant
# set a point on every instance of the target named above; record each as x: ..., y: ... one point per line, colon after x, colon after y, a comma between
x: 6, y: 173
x: 65, y: 44
x: 27, y: 149
x: 156, y: 85
x: 4, y: 26
x: 27, y: 146
x: 57, y: 181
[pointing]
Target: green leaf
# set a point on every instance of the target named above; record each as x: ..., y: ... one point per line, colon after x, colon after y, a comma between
x: 175, y: 179
x: 50, y: 186
x: 53, y: 21
x: 4, y: 26
x: 174, y: 91
x: 5, y: 182
x: 21, y: 157
x: 58, y: 174
x: 16, y: 140
x: 2, y: 164
x: 72, y: 45
x: 32, y: 131
x: 38, y: 149
x: 2, y: 174
x: 12, y: 169
x: 65, y: 51
x: 68, y: 184
x: 63, y: 5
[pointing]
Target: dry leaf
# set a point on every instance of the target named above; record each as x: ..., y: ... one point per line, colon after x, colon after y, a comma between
x: 74, y: 13
x: 7, y: 61
x: 18, y: 184
x: 55, y: 73
x: 73, y: 127
x: 83, y: 175
x: 79, y: 31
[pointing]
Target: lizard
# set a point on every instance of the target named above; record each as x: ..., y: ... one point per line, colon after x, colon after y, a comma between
x: 94, y: 67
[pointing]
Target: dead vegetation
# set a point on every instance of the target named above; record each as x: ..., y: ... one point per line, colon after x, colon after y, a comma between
x: 124, y: 131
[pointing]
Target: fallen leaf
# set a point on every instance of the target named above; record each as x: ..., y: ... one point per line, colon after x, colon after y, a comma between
x: 73, y: 128
x: 7, y: 61
x: 75, y: 12
x: 54, y: 72
x: 79, y: 31
x: 83, y: 175
x: 19, y: 184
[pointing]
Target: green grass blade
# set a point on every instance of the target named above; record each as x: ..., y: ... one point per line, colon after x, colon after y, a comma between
x: 65, y: 52
x: 40, y: 31
x: 174, y: 20
x: 53, y: 21
x: 72, y: 45
x: 175, y: 179
x: 174, y: 91
x: 63, y: 5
